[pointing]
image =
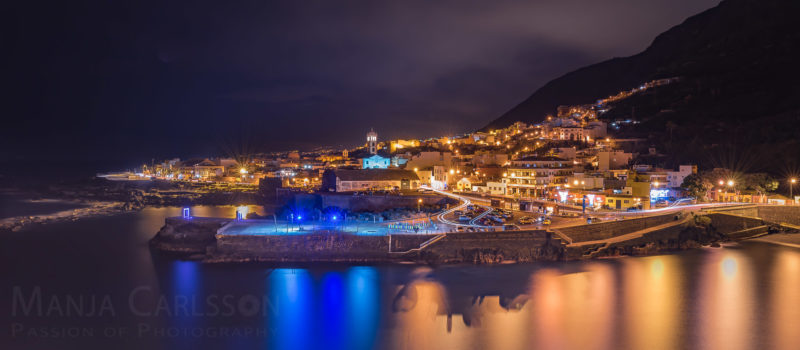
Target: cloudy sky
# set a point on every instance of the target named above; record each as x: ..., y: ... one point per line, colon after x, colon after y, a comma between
x: 135, y: 79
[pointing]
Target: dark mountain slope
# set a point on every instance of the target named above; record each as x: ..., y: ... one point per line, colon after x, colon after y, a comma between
x: 738, y: 60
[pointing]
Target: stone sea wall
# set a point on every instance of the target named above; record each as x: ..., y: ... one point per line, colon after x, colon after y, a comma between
x: 188, y: 236
x: 196, y: 237
x: 308, y: 247
x: 494, y: 247
x: 603, y: 230
x: 779, y: 214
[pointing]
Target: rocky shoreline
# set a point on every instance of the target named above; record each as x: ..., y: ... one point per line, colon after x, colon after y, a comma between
x: 158, y: 193
x: 94, y: 209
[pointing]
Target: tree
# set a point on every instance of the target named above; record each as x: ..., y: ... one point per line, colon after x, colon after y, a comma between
x: 696, y: 185
x: 760, y: 182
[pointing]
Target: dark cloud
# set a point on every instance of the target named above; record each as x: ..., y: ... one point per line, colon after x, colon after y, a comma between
x: 131, y: 80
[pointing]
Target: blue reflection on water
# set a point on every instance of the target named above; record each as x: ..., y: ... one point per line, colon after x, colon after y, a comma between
x: 333, y: 309
x: 186, y: 287
x: 337, y: 311
x: 363, y: 299
x: 291, y: 291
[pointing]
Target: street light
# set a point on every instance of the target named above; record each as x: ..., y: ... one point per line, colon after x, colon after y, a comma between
x: 419, y: 202
x: 792, y: 181
x: 730, y: 184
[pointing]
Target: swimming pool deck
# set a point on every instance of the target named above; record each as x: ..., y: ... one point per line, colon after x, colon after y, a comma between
x: 258, y: 227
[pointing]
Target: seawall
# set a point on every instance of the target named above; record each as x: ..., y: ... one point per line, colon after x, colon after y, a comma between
x: 604, y: 230
x: 188, y: 236
x: 199, y: 238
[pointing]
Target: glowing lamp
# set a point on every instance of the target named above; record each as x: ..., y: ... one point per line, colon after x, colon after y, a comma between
x: 241, y: 212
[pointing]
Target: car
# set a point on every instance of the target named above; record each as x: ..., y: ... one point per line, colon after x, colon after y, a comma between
x: 633, y: 209
x: 510, y: 228
x: 497, y: 219
x: 460, y: 229
x: 458, y: 212
x: 547, y: 222
x: 464, y: 218
x: 527, y: 220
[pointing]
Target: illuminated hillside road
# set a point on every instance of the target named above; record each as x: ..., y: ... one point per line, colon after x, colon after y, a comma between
x: 442, y: 216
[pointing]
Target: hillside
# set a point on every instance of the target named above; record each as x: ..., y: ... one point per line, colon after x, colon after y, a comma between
x: 737, y: 61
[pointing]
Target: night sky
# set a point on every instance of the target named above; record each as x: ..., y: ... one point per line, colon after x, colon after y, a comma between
x: 125, y: 81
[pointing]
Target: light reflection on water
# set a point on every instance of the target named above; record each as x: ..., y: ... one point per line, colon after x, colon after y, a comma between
x: 738, y: 297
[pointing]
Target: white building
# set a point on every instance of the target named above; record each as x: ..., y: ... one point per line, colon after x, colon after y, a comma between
x: 675, y: 178
x: 372, y: 142
x: 496, y: 188
x: 341, y: 180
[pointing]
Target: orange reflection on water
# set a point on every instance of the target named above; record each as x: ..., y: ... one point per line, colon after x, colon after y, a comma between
x: 652, y: 302
x: 784, y: 324
x: 505, y: 329
x: 725, y: 296
x: 421, y: 315
x: 573, y: 311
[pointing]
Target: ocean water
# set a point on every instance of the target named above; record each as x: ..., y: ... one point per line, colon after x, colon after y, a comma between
x: 95, y: 284
x: 14, y: 203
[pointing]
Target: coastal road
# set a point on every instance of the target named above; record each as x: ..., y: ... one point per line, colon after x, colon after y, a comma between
x: 465, y: 202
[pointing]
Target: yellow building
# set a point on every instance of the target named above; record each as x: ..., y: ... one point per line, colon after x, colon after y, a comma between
x: 625, y: 201
x: 401, y: 144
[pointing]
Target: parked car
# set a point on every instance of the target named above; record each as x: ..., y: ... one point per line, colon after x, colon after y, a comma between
x: 510, y: 228
x: 591, y: 220
x: 464, y: 218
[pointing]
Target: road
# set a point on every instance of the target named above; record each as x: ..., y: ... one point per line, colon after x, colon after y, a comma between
x: 558, y: 221
x: 465, y: 202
